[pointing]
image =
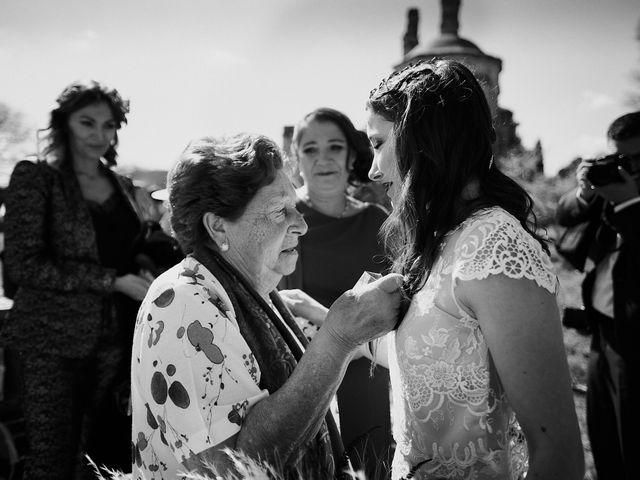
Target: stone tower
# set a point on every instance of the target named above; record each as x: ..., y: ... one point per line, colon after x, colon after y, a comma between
x: 449, y: 44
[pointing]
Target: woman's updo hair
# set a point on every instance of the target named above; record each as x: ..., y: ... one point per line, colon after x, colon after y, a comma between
x: 218, y: 175
x: 357, y: 141
x: 75, y: 96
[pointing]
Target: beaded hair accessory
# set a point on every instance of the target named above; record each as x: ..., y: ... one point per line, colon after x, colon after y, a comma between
x: 400, y: 79
x: 423, y: 80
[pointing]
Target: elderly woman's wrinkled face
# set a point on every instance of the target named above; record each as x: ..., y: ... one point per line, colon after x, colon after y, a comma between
x: 262, y: 243
x: 323, y: 156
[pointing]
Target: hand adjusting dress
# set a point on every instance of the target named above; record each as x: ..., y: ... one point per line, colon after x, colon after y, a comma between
x: 448, y: 402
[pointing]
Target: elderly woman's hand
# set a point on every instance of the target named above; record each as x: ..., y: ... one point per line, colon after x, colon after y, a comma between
x: 303, y: 305
x: 278, y: 425
x: 365, y: 312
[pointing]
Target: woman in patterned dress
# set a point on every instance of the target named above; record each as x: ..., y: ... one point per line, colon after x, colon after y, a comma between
x: 480, y: 381
x: 218, y: 361
x: 70, y: 227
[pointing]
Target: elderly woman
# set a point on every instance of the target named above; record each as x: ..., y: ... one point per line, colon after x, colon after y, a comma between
x: 218, y: 360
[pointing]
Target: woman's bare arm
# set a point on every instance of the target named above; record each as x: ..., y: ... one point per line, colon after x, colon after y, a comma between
x: 521, y: 325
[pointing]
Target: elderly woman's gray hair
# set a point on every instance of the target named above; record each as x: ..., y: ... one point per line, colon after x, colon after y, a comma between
x: 218, y: 175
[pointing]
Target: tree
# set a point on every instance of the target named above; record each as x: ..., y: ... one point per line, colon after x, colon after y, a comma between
x: 14, y: 135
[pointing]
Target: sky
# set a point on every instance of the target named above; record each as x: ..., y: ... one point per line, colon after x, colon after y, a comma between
x: 211, y: 67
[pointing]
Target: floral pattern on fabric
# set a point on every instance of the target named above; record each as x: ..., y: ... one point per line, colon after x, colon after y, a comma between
x: 499, y: 244
x: 308, y: 329
x: 194, y: 378
x: 449, y: 406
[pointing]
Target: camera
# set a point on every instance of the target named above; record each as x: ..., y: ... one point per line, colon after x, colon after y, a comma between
x: 605, y: 170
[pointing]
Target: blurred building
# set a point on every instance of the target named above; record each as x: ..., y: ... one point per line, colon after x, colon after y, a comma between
x: 449, y: 44
x: 510, y: 153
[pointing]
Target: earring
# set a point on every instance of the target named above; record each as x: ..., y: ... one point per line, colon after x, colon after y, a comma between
x: 224, y: 247
x: 491, y: 162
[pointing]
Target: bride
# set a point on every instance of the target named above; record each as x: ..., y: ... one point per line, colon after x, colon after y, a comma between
x: 481, y: 386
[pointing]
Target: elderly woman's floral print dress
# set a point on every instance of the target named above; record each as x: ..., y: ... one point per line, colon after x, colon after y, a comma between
x: 194, y: 377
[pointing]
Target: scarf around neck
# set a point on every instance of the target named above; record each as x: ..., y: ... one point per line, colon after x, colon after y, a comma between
x: 277, y: 344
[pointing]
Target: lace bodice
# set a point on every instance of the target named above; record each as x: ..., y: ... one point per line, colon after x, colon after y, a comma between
x: 448, y: 403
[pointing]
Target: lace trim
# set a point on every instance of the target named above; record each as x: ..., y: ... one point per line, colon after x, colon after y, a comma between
x: 496, y: 243
x: 471, y: 459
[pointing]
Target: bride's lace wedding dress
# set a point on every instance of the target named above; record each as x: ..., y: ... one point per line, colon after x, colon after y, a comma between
x: 448, y: 403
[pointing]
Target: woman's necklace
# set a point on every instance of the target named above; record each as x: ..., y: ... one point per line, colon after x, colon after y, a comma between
x: 342, y: 214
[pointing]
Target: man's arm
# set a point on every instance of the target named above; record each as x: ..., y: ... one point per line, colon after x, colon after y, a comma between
x: 578, y: 205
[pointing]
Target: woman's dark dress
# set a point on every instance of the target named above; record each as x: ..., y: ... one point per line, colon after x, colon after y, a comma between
x: 117, y: 229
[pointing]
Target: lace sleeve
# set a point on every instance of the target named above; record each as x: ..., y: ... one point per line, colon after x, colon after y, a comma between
x: 497, y: 244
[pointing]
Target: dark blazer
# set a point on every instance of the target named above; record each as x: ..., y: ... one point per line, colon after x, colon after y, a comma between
x: 626, y: 270
x: 52, y: 257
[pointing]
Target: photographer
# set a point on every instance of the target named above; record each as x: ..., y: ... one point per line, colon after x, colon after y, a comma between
x: 608, y: 193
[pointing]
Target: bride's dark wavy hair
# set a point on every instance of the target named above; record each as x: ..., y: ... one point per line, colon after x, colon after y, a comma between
x: 443, y: 142
x: 75, y: 96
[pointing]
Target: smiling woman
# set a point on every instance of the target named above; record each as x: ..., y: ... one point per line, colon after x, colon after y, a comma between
x: 380, y: 133
x: 70, y: 229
